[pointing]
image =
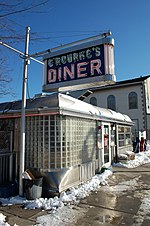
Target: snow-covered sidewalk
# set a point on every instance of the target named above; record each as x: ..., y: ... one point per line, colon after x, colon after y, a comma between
x: 59, y: 205
x: 140, y: 159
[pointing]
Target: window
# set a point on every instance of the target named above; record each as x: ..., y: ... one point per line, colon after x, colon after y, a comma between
x: 124, y: 136
x: 111, y: 102
x: 93, y: 101
x: 133, y: 100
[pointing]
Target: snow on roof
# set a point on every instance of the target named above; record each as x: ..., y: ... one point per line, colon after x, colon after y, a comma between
x: 64, y: 103
x: 73, y: 104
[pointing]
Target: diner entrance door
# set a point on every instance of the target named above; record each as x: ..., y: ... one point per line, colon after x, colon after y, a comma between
x: 106, y: 143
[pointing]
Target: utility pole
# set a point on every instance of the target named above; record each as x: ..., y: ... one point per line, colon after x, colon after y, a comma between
x: 26, y: 58
x: 24, y: 88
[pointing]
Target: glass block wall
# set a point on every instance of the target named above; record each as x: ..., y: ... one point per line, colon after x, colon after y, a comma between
x: 57, y: 141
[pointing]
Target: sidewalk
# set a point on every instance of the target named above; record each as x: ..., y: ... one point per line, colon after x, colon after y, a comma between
x: 126, y: 201
x: 116, y: 204
x: 16, y: 214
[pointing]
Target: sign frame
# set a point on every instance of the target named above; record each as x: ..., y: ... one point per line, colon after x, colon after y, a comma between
x: 71, y: 83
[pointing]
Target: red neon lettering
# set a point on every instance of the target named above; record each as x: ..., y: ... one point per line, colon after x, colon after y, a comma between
x: 80, y: 69
x: 59, y: 74
x: 69, y: 72
x: 95, y: 65
x: 51, y: 75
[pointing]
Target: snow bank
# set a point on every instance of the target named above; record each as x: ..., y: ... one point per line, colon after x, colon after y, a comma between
x: 140, y: 159
x: 3, y: 221
x: 71, y: 196
x: 61, y: 205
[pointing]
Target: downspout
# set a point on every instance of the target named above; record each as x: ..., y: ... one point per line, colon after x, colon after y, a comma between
x: 116, y: 144
x: 144, y: 86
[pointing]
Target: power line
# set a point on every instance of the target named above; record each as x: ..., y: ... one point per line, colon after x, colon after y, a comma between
x: 75, y: 31
x: 23, y: 10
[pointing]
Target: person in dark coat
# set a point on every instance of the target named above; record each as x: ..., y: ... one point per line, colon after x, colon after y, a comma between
x: 136, y: 145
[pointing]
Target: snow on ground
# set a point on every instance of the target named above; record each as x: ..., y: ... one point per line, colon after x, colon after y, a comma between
x: 59, y: 206
x: 71, y: 196
x: 144, y: 210
x: 67, y: 215
x: 140, y: 159
x: 2, y: 220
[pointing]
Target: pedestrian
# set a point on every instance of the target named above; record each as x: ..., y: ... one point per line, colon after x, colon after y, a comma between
x: 145, y: 144
x: 137, y: 145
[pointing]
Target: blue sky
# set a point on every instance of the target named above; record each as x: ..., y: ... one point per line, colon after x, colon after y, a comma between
x: 71, y: 20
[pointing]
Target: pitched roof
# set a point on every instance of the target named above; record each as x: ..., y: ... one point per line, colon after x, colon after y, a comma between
x: 123, y: 82
x: 133, y: 81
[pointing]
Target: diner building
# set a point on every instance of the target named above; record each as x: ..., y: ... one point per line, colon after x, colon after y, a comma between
x: 67, y: 140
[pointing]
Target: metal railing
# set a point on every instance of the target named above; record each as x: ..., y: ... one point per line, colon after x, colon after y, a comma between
x: 6, y: 168
x: 7, y: 157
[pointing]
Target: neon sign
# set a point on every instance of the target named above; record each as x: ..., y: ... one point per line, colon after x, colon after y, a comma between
x: 76, y: 65
x: 88, y: 63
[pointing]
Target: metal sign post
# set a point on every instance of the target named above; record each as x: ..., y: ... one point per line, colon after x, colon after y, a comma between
x: 24, y: 88
x: 26, y: 58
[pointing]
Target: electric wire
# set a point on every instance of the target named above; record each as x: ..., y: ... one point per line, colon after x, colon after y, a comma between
x: 28, y: 91
x: 18, y: 77
x: 44, y: 36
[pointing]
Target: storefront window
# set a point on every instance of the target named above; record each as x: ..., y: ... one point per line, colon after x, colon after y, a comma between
x: 124, y: 136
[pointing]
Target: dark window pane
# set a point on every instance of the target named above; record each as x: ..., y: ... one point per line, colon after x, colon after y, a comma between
x: 93, y: 101
x: 111, y: 102
x: 133, y: 100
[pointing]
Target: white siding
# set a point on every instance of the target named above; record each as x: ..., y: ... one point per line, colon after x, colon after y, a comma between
x: 121, y: 94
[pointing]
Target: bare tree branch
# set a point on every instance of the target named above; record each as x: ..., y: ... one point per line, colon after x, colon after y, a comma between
x: 10, y: 33
x: 23, y: 10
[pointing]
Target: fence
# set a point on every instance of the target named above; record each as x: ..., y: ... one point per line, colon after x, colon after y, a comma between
x: 6, y: 158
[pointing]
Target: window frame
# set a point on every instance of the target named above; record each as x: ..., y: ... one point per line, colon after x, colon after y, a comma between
x: 124, y: 136
x: 133, y: 100
x: 111, y: 102
x: 93, y: 101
